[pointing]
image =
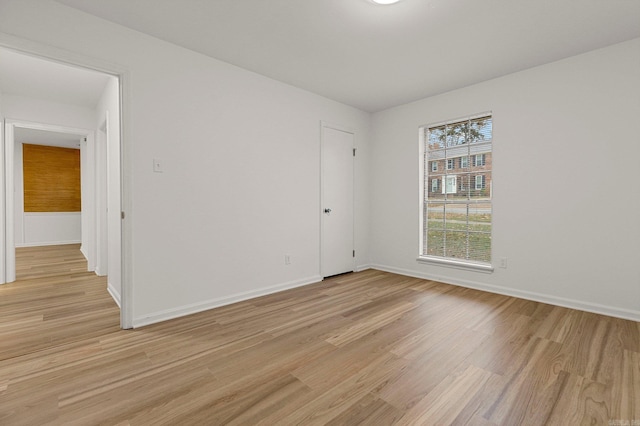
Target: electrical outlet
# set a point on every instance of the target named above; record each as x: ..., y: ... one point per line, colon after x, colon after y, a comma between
x: 287, y: 259
x: 503, y: 262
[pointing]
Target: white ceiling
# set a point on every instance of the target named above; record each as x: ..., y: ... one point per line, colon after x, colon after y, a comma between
x: 374, y: 57
x: 42, y: 79
x: 44, y: 137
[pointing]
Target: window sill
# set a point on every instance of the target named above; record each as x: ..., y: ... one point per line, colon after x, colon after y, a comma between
x: 459, y: 264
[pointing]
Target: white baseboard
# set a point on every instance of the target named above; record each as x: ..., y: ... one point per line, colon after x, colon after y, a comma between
x: 114, y: 294
x: 90, y: 267
x: 362, y: 267
x: 48, y: 243
x: 221, y: 301
x: 596, y: 308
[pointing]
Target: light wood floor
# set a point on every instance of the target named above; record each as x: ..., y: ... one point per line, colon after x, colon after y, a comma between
x: 49, y: 261
x: 365, y: 348
x: 54, y: 301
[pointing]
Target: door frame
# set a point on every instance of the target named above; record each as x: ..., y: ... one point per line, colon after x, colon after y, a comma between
x: 9, y: 185
x: 324, y: 125
x: 54, y: 54
x: 102, y: 197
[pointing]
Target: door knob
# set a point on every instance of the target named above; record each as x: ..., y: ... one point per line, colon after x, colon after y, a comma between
x: 327, y: 210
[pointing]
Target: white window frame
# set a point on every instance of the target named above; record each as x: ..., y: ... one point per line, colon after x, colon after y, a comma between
x: 435, y: 184
x: 482, y: 182
x: 434, y: 166
x: 451, y: 162
x: 459, y: 263
x: 464, y: 162
x: 482, y: 160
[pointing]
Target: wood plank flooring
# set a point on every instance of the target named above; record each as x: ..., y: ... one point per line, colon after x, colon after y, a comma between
x: 49, y: 261
x: 54, y: 301
x: 368, y: 348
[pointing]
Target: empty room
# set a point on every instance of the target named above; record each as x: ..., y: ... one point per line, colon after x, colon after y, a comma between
x: 419, y: 212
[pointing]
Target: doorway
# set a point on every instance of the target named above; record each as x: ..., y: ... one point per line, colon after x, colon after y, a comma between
x: 108, y: 104
x: 44, y: 217
x: 48, y: 200
x: 337, y: 153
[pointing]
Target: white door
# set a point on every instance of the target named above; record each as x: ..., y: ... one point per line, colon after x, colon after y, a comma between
x: 337, y: 254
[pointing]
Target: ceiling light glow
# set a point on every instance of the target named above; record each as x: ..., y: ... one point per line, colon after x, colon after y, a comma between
x: 385, y: 1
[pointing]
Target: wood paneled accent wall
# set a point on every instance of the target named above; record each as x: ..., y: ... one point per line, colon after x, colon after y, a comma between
x: 51, y: 178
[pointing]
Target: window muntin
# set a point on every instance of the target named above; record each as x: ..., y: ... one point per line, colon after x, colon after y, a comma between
x: 456, y: 219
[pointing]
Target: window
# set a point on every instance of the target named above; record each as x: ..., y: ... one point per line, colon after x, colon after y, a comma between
x: 51, y: 179
x: 434, y: 166
x: 456, y: 217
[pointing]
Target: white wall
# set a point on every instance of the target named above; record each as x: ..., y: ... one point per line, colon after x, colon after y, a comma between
x: 43, y: 229
x: 241, y: 154
x: 565, y: 167
x: 24, y: 108
x: 3, y: 272
x: 108, y: 112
